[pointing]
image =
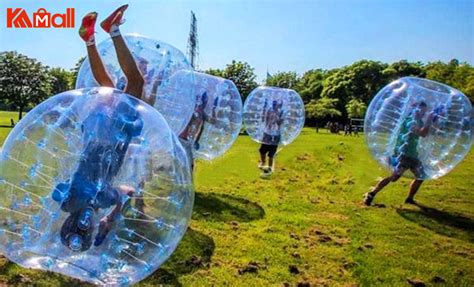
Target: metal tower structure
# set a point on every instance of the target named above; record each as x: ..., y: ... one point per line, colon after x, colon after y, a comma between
x: 193, y: 43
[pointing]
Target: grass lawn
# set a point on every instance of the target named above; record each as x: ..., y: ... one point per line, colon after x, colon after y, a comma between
x: 307, y: 223
x: 5, y: 123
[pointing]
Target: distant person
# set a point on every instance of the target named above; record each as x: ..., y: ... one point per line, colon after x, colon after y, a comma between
x: 328, y: 126
x: 273, y: 119
x: 12, y: 122
x: 405, y: 155
x: 346, y: 130
x: 335, y: 128
x: 355, y: 129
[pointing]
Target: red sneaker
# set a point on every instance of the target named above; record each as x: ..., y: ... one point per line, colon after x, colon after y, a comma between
x: 114, y: 19
x: 86, y: 31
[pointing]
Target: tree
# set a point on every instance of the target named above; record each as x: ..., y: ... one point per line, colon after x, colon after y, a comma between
x: 456, y: 74
x: 241, y: 73
x: 310, y: 84
x: 356, y: 108
x: 403, y: 68
x: 23, y: 81
x: 321, y: 108
x: 215, y: 72
x: 62, y: 80
x: 361, y: 80
x: 75, y: 70
x: 287, y: 80
x: 243, y: 76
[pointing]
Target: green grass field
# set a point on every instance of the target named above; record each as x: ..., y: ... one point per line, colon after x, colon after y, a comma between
x: 4, y: 122
x: 307, y: 224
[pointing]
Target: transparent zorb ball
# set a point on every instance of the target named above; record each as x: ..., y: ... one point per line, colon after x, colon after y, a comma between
x: 94, y: 185
x: 273, y: 116
x: 157, y: 61
x: 419, y: 126
x: 217, y: 114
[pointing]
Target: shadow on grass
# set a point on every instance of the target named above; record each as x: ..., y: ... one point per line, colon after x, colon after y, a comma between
x: 225, y: 208
x: 194, y: 252
x: 441, y: 222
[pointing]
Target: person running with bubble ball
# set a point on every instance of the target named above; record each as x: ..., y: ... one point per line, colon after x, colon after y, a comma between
x: 405, y: 155
x: 273, y: 119
x: 107, y: 133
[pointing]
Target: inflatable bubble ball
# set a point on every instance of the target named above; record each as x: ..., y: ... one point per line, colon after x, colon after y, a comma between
x: 273, y: 116
x: 94, y: 185
x: 157, y: 62
x: 217, y: 117
x: 419, y: 126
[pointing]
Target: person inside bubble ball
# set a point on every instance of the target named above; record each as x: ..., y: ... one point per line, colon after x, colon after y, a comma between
x: 405, y: 155
x: 191, y: 135
x: 273, y: 119
x: 107, y: 133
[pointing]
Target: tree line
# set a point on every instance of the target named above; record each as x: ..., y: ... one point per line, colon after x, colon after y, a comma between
x: 334, y: 94
x: 343, y: 93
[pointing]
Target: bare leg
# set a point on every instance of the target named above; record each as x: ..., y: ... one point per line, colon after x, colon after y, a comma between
x: 129, y: 68
x: 381, y: 184
x: 270, y: 162
x: 262, y: 159
x: 369, y: 196
x: 86, y: 32
x: 98, y: 69
x: 414, y: 187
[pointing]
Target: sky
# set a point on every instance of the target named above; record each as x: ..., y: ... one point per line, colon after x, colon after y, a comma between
x: 281, y: 35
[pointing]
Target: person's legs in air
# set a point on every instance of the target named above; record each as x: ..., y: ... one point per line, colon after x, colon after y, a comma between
x: 135, y: 80
x: 86, y: 31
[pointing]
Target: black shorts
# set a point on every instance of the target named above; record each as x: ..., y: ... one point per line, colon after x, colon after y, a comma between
x: 413, y: 164
x: 270, y: 149
x: 271, y: 139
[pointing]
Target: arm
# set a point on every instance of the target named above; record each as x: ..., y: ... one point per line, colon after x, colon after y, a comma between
x: 280, y: 118
x: 423, y: 131
x: 106, y: 222
x: 154, y: 90
x: 198, y: 136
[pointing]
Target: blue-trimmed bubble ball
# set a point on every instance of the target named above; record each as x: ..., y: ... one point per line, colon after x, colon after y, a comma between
x: 273, y: 116
x: 96, y: 186
x: 217, y: 116
x: 157, y: 61
x: 419, y: 127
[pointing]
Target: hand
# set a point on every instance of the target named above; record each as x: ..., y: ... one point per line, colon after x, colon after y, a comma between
x: 104, y: 229
x: 431, y: 117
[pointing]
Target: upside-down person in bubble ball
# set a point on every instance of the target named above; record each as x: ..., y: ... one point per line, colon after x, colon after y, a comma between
x: 273, y: 119
x: 191, y: 135
x: 405, y: 155
x: 107, y: 133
